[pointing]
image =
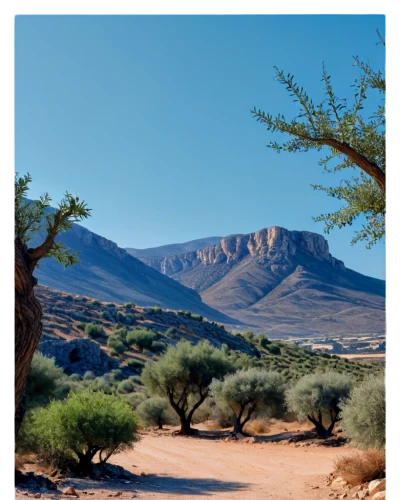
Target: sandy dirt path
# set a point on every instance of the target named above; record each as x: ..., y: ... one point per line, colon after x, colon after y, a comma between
x: 182, y: 468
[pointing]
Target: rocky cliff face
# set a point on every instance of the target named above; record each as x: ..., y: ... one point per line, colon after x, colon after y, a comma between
x: 274, y: 245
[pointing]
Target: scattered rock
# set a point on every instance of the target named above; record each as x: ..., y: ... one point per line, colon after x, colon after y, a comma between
x: 376, y: 486
x: 118, y: 494
x: 339, y: 481
x: 343, y: 495
x: 71, y: 491
x: 37, y: 495
x: 381, y: 495
x: 142, y: 473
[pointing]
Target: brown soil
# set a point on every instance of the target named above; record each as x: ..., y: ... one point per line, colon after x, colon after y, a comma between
x: 176, y: 467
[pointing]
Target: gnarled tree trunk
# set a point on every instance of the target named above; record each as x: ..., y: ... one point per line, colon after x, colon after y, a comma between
x: 28, y: 326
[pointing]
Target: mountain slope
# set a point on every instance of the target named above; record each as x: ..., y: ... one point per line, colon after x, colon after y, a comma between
x: 108, y: 272
x: 175, y: 248
x: 283, y: 282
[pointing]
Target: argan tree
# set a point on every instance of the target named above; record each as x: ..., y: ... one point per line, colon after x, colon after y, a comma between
x: 355, y: 139
x: 247, y: 391
x: 183, y: 375
x: 30, y: 218
x: 318, y: 397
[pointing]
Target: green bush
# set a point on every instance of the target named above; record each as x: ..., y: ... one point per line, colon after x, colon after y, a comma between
x: 318, y: 397
x: 81, y: 326
x: 157, y: 347
x: 155, y: 310
x: 120, y: 317
x: 130, y: 305
x: 94, y: 331
x: 263, y: 341
x: 364, y: 413
x: 45, y: 381
x: 116, y: 345
x: 274, y: 349
x: 126, y: 387
x: 84, y: 424
x: 154, y: 411
x: 130, y: 319
x: 185, y: 313
x: 197, y: 317
x: 171, y: 332
x: 136, y: 364
x: 106, y: 315
x: 141, y: 338
x: 96, y: 303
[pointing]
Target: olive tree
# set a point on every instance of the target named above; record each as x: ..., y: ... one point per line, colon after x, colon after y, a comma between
x: 36, y: 217
x: 355, y: 139
x: 183, y: 375
x: 364, y: 413
x: 246, y: 391
x: 84, y: 424
x: 317, y: 397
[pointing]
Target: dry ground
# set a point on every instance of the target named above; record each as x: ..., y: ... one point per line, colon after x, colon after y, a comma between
x: 182, y: 468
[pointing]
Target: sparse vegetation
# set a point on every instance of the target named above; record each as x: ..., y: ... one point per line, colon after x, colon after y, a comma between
x: 361, y: 466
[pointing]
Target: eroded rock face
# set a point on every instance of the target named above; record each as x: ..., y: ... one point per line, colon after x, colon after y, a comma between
x: 274, y: 245
x: 78, y: 356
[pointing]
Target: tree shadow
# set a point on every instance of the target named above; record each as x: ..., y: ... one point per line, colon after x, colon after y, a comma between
x: 159, y: 484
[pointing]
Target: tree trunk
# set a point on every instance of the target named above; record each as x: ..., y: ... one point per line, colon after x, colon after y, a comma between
x: 28, y: 325
x: 85, y: 465
x: 186, y: 430
x: 320, y: 429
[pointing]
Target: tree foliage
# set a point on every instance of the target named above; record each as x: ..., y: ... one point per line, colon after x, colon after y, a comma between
x: 364, y: 413
x: 247, y: 391
x: 318, y: 397
x: 34, y: 216
x: 185, y: 373
x: 355, y: 141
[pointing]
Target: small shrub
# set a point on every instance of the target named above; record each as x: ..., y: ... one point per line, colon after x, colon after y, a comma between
x: 110, y: 305
x: 154, y: 411
x: 89, y: 376
x: 157, y: 347
x: 274, y: 349
x: 106, y: 315
x: 257, y: 426
x: 45, y: 381
x: 81, y: 326
x: 96, y: 303
x: 263, y: 341
x: 84, y: 424
x: 116, y: 345
x: 129, y: 319
x: 188, y: 314
x: 130, y: 305
x: 116, y: 375
x: 155, y: 310
x: 125, y: 387
x: 141, y: 338
x: 120, y: 317
x: 94, y: 331
x: 361, y: 467
x: 197, y: 317
x: 171, y: 332
x: 136, y: 365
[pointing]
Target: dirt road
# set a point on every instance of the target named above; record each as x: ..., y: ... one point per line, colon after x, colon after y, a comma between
x: 182, y: 468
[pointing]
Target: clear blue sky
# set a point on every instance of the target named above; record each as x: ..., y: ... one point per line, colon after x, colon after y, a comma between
x: 148, y: 119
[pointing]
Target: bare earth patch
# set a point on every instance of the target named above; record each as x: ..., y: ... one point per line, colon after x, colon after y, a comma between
x: 175, y: 467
